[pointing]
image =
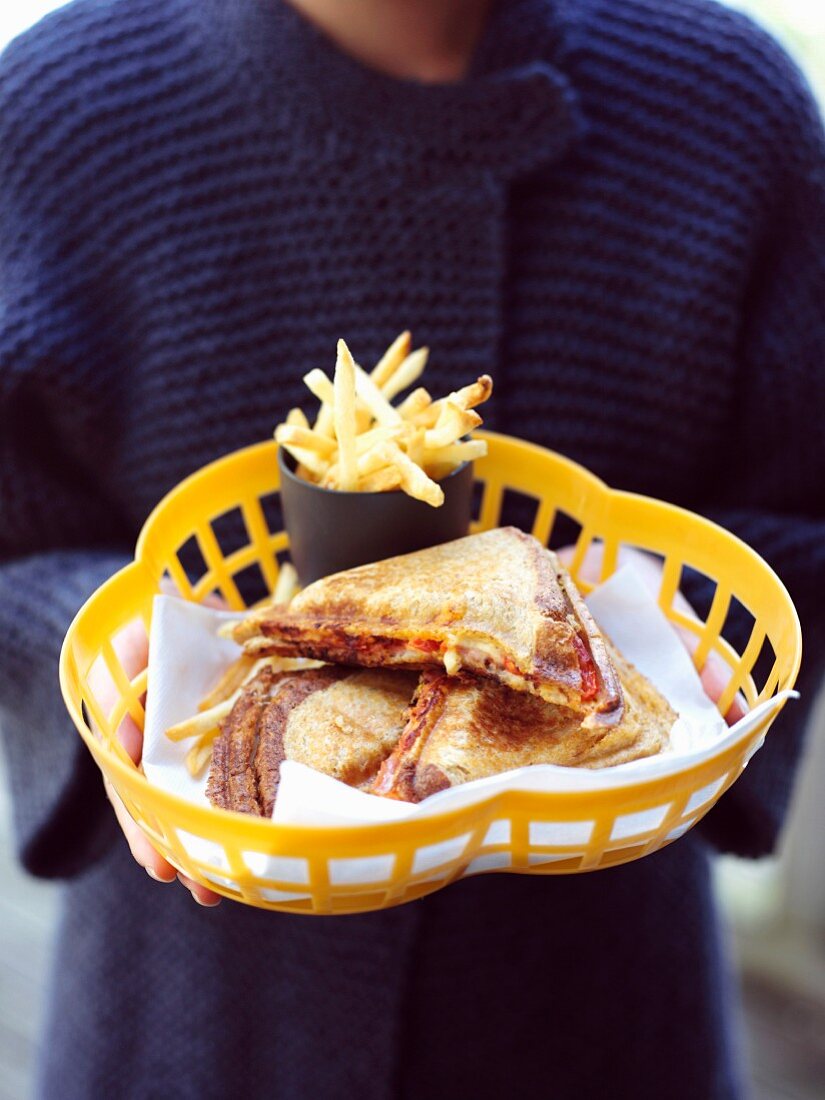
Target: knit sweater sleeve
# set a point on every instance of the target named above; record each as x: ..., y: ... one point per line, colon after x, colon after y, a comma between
x: 775, y: 453
x: 59, y: 537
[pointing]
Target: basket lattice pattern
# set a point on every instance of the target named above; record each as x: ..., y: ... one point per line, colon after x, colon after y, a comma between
x: 340, y: 870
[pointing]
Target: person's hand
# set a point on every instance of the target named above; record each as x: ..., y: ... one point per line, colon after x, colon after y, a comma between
x: 716, y: 673
x: 132, y: 649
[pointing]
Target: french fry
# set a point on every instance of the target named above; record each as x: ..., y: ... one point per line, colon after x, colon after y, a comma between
x: 415, y: 404
x: 200, y: 755
x: 416, y: 483
x: 475, y: 394
x: 305, y: 438
x: 382, y: 481
x: 344, y: 417
x: 428, y: 416
x: 359, y: 437
x: 467, y: 398
x: 374, y: 399
x: 201, y: 723
x: 370, y: 462
x: 320, y: 386
x: 324, y: 424
x: 413, y: 479
x: 454, y: 454
x: 363, y: 443
x: 453, y: 422
x: 391, y: 360
x: 439, y: 471
x: 232, y: 679
x: 415, y: 446
x: 285, y: 588
x: 205, y: 727
x: 286, y: 585
x: 366, y: 440
x: 408, y: 372
x: 310, y: 460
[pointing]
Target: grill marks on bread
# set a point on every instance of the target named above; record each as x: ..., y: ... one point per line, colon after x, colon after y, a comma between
x: 464, y: 727
x: 342, y: 721
x: 248, y: 752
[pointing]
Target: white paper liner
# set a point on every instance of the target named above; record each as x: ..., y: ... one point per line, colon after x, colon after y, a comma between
x: 186, y: 658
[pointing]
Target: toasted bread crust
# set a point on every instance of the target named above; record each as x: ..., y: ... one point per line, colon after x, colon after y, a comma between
x: 609, y: 710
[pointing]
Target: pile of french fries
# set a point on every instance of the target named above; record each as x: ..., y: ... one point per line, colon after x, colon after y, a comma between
x: 361, y: 442
x: 205, y: 726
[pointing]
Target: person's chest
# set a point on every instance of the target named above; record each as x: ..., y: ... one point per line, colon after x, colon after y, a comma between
x: 604, y: 307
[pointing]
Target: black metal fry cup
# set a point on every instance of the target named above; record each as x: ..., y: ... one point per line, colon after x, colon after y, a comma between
x: 330, y: 530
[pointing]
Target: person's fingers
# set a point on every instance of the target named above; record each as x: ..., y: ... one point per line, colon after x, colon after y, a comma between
x: 647, y: 567
x: 169, y: 588
x: 132, y: 650
x: 131, y: 646
x: 591, y: 563
x: 199, y: 893
x: 142, y: 851
x: 153, y: 863
x: 131, y: 737
x: 715, y: 677
x: 216, y: 602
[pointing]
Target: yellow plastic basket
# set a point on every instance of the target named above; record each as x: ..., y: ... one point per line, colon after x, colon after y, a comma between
x: 354, y: 869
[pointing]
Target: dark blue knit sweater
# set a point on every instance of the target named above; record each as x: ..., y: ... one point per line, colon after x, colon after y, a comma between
x: 620, y: 215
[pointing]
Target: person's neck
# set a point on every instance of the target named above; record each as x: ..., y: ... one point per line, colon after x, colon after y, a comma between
x: 427, y: 40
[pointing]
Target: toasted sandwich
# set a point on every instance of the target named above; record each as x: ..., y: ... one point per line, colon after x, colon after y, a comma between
x: 464, y: 727
x: 341, y: 721
x: 498, y: 604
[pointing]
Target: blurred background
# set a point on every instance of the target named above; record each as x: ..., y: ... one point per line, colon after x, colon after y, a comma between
x: 774, y: 908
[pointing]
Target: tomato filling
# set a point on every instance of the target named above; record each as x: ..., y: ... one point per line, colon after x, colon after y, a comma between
x: 426, y: 645
x: 590, y: 680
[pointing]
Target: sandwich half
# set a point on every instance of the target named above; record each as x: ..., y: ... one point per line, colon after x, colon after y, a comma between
x: 341, y: 721
x: 498, y: 604
x: 464, y: 727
